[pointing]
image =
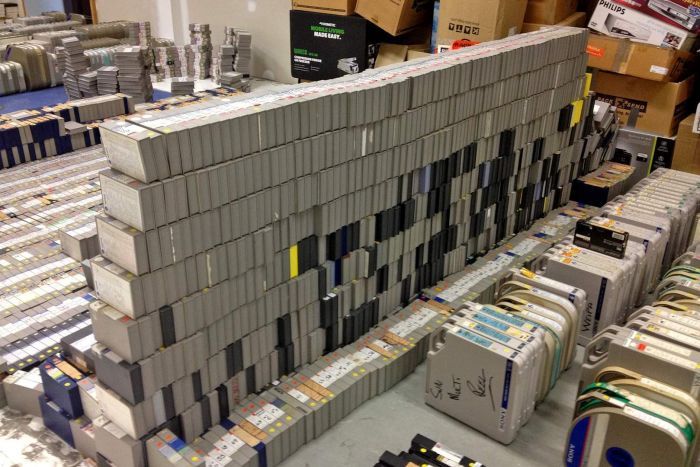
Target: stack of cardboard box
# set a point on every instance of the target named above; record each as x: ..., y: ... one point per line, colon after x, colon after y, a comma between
x: 644, y: 52
x: 333, y: 38
x: 465, y: 22
x: 543, y: 13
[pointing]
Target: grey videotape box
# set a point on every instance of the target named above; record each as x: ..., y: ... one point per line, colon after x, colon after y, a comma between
x: 122, y: 244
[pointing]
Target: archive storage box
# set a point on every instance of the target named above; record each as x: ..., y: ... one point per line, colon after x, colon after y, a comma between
x: 549, y: 11
x: 334, y: 7
x: 395, y: 16
x: 634, y: 59
x: 686, y: 156
x: 661, y: 106
x: 478, y: 21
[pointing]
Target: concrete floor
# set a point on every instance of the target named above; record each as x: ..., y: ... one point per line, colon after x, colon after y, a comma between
x: 387, y: 422
x: 390, y: 421
x: 25, y: 442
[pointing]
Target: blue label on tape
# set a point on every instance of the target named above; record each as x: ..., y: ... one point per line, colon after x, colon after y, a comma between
x: 577, y: 443
x: 618, y: 457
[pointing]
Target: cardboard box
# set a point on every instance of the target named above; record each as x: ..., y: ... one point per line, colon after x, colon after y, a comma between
x: 577, y: 20
x: 478, y: 21
x: 686, y: 156
x: 661, y: 105
x: 549, y: 11
x: 616, y: 20
x: 390, y: 54
x: 395, y: 16
x: 413, y: 54
x: 329, y: 46
x: 683, y: 13
x: 334, y: 7
x: 634, y: 59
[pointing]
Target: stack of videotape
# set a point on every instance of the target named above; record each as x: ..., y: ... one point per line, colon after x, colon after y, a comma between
x: 38, y: 28
x: 67, y: 400
x: 243, y: 51
x: 107, y: 82
x: 181, y: 86
x: 101, y: 56
x: 94, y: 108
x: 640, y: 382
x: 32, y: 20
x: 76, y: 63
x: 509, y: 355
x: 426, y: 452
x: 30, y: 135
x: 11, y: 78
x: 309, y: 390
x: 666, y: 201
x: 605, y: 183
x: 170, y: 62
x: 34, y: 61
x: 480, y: 280
x: 242, y: 236
x: 617, y: 259
x: 54, y: 38
x: 134, y: 75
x: 680, y: 282
x: 199, y: 51
x: 266, y: 428
x: 680, y: 286
x: 87, y: 83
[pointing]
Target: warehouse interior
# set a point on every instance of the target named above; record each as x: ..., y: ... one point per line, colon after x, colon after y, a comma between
x: 313, y: 233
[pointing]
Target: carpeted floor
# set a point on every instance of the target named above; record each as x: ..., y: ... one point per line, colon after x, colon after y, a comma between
x: 43, y: 97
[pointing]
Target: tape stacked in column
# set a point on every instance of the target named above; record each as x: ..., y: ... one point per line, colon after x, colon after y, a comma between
x: 639, y: 381
x: 11, y: 78
x: 246, y: 237
x: 34, y: 61
x: 102, y: 56
x: 491, y: 364
x: 265, y: 428
x: 170, y: 62
x: 54, y: 38
x: 76, y: 63
x: 139, y: 33
x: 32, y: 20
x: 134, y: 77
x: 199, y: 51
x: 30, y: 135
x: 38, y: 28
x: 93, y: 108
x: 655, y: 218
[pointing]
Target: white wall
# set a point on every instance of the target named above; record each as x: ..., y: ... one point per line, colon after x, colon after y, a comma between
x: 36, y: 7
x: 267, y: 20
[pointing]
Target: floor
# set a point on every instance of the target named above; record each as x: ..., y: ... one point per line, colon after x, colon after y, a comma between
x: 390, y: 421
x: 387, y: 422
x: 57, y: 95
x: 44, y: 97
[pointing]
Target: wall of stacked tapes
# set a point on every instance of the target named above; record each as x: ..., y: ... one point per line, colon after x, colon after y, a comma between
x: 246, y: 239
